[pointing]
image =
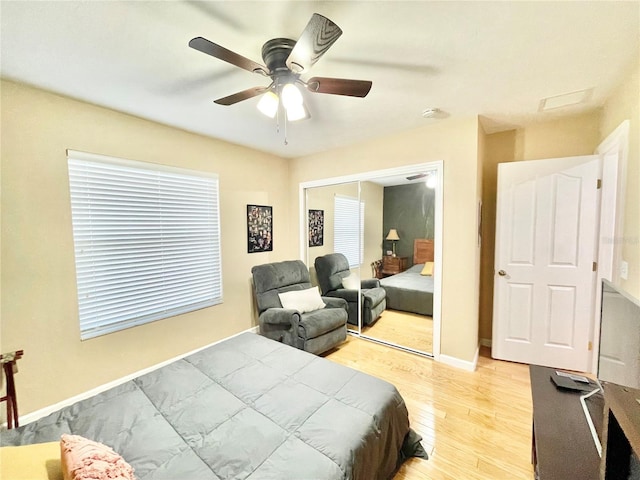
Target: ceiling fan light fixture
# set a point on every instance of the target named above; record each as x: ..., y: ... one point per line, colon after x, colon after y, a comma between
x: 291, y: 96
x: 284, y: 61
x: 297, y: 112
x: 268, y: 104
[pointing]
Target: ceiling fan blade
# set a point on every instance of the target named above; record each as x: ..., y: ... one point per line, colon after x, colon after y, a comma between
x: 339, y: 86
x: 319, y: 34
x: 240, y: 96
x: 205, y: 46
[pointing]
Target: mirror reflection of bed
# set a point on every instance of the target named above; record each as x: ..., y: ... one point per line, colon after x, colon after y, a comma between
x: 408, y: 321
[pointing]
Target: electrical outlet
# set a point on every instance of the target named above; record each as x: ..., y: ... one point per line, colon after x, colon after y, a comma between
x: 624, y: 270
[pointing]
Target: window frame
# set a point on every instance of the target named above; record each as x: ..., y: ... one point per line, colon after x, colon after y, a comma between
x: 156, y: 232
x: 340, y: 245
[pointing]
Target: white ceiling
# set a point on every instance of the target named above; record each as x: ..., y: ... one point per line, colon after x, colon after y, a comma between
x: 494, y: 59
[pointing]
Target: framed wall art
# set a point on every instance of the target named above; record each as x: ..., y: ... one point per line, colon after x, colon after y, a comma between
x: 259, y: 228
x: 316, y: 228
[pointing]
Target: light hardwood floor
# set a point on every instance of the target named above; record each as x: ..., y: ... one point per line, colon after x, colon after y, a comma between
x: 475, y: 425
x: 403, y: 328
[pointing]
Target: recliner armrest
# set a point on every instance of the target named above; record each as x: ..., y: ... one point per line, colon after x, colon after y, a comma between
x: 370, y: 283
x: 280, y: 316
x: 335, y: 302
x: 348, y: 295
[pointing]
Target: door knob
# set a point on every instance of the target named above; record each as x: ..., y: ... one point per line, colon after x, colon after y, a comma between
x: 502, y: 273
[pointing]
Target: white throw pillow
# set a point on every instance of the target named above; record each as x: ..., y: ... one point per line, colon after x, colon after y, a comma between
x: 302, y: 300
x: 352, y: 282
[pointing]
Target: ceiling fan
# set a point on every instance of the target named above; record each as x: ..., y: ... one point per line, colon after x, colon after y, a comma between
x: 431, y: 180
x: 285, y: 61
x: 417, y: 176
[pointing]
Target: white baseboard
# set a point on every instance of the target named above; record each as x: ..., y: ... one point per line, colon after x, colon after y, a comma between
x: 43, y: 412
x: 469, y: 366
x: 485, y: 342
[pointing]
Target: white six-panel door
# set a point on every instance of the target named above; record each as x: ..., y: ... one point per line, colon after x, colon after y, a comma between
x: 546, y: 229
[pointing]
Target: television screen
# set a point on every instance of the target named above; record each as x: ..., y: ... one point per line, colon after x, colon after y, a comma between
x: 619, y: 355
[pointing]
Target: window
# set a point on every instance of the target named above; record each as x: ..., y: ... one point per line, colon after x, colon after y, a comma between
x: 147, y: 241
x: 348, y: 229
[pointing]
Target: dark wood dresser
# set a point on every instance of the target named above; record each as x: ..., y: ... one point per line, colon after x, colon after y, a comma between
x: 392, y: 265
x: 562, y: 445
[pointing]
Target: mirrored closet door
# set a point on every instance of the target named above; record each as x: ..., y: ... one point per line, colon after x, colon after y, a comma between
x: 391, y: 223
x: 334, y: 243
x: 405, y: 268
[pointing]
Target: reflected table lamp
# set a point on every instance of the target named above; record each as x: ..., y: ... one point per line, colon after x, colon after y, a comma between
x: 393, y: 236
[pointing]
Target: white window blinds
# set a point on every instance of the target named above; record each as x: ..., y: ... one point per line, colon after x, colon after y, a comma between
x: 348, y: 229
x: 147, y: 241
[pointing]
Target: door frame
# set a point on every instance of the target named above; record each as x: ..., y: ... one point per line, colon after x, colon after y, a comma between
x: 437, y: 166
x: 614, y: 180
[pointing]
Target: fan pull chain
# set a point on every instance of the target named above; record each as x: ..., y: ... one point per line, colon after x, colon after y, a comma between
x: 278, y: 112
x: 285, y: 130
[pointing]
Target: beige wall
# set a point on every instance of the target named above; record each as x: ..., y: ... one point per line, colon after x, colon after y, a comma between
x: 455, y: 142
x: 322, y: 198
x: 569, y: 136
x: 498, y: 148
x: 39, y: 307
x: 566, y: 137
x: 624, y: 104
x: 373, y: 197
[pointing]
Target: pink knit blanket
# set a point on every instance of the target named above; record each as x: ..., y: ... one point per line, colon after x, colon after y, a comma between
x: 84, y: 459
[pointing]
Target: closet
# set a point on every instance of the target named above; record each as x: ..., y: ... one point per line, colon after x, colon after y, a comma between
x: 349, y: 215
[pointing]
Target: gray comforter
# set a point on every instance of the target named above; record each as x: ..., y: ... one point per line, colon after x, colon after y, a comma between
x: 246, y: 408
x: 409, y: 291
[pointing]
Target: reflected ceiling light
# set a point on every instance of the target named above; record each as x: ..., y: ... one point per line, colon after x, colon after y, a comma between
x: 432, y: 180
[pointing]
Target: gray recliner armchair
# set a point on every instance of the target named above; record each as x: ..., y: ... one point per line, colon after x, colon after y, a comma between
x: 331, y: 270
x: 315, y: 331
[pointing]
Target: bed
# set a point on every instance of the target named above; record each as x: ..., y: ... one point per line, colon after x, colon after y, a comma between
x: 246, y: 408
x: 410, y: 291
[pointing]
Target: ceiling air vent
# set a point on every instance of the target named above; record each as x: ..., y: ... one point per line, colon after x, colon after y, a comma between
x: 565, y: 100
